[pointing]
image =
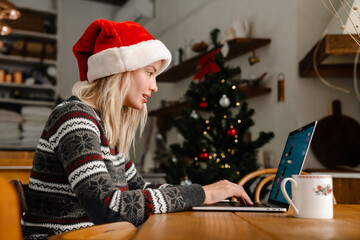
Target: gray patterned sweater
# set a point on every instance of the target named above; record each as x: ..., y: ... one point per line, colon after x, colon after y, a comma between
x: 78, y: 181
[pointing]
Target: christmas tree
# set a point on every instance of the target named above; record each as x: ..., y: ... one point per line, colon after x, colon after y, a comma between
x: 214, y: 131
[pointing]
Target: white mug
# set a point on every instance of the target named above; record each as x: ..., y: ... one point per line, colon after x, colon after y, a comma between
x: 312, y: 196
x: 241, y: 28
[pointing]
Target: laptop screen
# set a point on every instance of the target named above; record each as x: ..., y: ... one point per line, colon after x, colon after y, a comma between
x: 292, y: 161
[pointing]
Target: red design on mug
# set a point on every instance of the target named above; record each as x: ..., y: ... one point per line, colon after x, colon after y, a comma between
x: 321, y: 190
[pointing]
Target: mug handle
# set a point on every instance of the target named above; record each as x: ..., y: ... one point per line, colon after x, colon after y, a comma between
x: 283, y: 190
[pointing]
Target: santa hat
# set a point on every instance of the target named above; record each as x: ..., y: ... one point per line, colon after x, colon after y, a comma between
x: 108, y: 47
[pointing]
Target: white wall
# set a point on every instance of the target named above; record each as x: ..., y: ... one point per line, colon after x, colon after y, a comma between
x: 293, y: 26
x: 76, y: 16
x: 314, y: 100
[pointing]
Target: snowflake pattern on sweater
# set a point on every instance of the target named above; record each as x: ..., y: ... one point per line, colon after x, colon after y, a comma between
x: 78, y: 181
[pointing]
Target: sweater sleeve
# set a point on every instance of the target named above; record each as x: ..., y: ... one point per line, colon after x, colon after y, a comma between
x: 193, y: 195
x: 77, y: 141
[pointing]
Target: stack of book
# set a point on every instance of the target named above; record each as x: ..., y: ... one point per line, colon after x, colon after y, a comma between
x: 33, y: 124
x: 10, y: 133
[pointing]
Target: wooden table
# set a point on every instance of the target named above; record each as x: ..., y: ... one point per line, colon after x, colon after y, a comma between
x: 228, y: 225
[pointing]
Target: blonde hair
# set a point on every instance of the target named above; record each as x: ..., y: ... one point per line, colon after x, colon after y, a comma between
x: 106, y: 96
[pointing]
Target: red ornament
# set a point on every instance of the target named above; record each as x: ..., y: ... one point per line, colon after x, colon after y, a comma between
x: 203, y: 104
x: 203, y: 156
x: 231, y: 132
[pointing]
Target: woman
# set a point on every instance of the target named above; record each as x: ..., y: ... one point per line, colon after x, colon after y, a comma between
x: 82, y: 174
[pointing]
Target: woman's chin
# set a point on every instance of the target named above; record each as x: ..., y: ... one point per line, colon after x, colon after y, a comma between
x: 138, y: 107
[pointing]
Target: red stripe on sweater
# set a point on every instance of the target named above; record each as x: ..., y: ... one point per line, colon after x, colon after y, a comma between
x: 149, y: 207
x: 128, y: 165
x: 108, y: 198
x: 45, y: 135
x: 85, y: 159
x: 71, y: 115
x: 157, y: 186
x: 113, y: 151
x: 123, y: 189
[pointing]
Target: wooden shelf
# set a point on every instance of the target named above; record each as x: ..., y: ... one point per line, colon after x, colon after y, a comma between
x: 332, y: 58
x: 237, y: 47
x: 27, y: 102
x: 26, y: 61
x: 175, y: 109
x: 45, y: 12
x: 39, y: 87
x: 21, y: 34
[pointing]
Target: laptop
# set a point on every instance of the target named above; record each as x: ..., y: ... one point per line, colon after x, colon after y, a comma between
x: 291, y: 163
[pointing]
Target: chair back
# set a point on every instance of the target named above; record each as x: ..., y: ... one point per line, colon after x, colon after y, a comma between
x: 10, y: 212
x: 21, y: 190
x: 270, y: 172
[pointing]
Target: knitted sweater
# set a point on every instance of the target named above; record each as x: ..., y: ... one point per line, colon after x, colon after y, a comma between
x: 78, y: 181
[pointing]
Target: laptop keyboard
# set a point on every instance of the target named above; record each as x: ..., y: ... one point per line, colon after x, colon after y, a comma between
x: 238, y: 204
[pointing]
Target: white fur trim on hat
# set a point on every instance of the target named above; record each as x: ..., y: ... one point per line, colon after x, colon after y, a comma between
x: 128, y: 58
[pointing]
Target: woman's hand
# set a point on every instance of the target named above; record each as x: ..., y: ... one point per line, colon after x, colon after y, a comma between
x: 224, y: 189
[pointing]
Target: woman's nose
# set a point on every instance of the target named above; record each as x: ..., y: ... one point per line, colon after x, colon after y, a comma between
x: 153, y: 86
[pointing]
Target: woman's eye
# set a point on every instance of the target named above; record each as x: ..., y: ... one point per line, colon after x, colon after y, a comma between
x: 150, y: 73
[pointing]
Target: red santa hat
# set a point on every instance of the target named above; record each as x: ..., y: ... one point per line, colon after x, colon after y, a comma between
x: 108, y: 47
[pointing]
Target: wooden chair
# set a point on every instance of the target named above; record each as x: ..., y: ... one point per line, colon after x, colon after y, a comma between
x: 118, y: 230
x: 267, y: 171
x: 21, y: 190
x: 9, y: 212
